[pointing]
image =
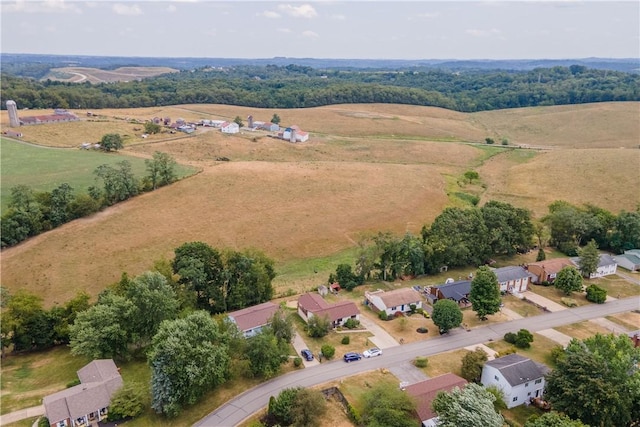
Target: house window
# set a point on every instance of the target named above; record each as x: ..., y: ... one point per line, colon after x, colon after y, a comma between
x: 529, y: 394
x: 495, y: 377
x: 393, y: 308
x: 538, y: 381
x: 526, y: 384
x: 515, y: 399
x: 62, y: 423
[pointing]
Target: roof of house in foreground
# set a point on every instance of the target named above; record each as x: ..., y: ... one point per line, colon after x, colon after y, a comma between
x: 518, y: 369
x: 425, y: 391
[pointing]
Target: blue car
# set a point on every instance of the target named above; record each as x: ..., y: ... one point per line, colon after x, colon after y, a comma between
x: 306, y: 353
x: 350, y: 357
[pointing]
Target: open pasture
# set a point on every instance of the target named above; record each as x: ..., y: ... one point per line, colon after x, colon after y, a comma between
x: 365, y: 169
x: 43, y: 169
x: 96, y: 75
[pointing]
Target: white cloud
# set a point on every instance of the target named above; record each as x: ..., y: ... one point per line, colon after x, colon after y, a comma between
x: 47, y: 6
x: 123, y: 9
x: 302, y: 11
x: 270, y: 14
x: 310, y: 34
x: 483, y: 33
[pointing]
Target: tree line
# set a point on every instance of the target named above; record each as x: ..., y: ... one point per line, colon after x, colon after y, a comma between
x: 303, y: 87
x: 32, y: 212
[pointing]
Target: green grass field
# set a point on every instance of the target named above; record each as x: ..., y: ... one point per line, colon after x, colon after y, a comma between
x: 43, y: 168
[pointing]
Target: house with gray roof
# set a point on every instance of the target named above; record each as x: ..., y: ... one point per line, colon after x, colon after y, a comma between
x: 607, y: 265
x: 87, y: 402
x: 513, y: 279
x: 520, y: 378
x: 457, y: 291
x: 251, y: 320
x: 630, y: 260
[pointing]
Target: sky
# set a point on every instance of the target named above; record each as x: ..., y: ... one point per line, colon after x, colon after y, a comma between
x: 352, y: 29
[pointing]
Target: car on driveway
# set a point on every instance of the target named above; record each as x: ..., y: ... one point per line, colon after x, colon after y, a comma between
x: 306, y: 353
x: 350, y: 357
x: 372, y: 352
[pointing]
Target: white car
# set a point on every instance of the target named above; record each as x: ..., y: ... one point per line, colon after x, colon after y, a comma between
x: 372, y: 352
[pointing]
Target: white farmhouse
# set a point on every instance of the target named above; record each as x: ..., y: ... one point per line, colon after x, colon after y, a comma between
x: 519, y: 378
x: 606, y: 266
x: 229, y: 127
x: 399, y: 300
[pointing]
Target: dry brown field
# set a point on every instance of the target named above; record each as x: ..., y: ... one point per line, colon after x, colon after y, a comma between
x: 96, y: 75
x: 365, y: 168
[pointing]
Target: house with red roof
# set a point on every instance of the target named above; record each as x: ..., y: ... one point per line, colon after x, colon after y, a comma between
x: 425, y: 391
x: 546, y: 271
x: 252, y: 319
x: 311, y: 304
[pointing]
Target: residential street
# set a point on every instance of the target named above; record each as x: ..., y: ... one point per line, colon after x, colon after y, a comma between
x: 243, y: 406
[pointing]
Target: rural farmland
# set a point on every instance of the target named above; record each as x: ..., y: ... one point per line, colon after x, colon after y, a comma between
x: 365, y: 169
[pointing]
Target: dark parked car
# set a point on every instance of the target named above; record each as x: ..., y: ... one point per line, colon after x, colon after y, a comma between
x: 306, y: 353
x: 350, y: 357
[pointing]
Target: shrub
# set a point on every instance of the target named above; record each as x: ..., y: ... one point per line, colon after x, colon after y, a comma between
x: 127, y: 402
x: 73, y: 383
x: 351, y: 323
x: 596, y: 294
x: 505, y: 141
x: 506, y: 352
x: 557, y: 353
x: 524, y: 338
x: 421, y: 362
x: 354, y: 414
x: 489, y: 141
x: 297, y: 361
x: 383, y: 315
x: 510, y: 337
x: 43, y: 422
x: 569, y: 302
x: 328, y: 351
x: 398, y: 314
x: 412, y: 307
x: 345, y: 340
x: 545, y: 283
x: 541, y: 255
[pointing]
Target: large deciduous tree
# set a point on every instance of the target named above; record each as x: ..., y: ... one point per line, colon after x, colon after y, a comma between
x: 485, y: 293
x: 119, y: 183
x: 388, y: 406
x: 200, y: 269
x: 446, y: 315
x: 472, y: 364
x: 25, y: 324
x: 266, y: 354
x: 589, y: 258
x: 188, y: 358
x: 104, y: 330
x: 471, y: 406
x: 568, y: 280
x: 597, y: 381
x: 626, y: 232
x: 111, y: 141
x: 160, y: 169
x: 509, y: 228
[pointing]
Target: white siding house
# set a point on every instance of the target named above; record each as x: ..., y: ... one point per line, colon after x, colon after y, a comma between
x: 630, y: 260
x: 606, y: 266
x: 229, y: 127
x: 393, y: 301
x: 513, y: 279
x: 519, y: 378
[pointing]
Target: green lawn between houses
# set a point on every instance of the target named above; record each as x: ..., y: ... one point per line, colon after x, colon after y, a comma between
x: 44, y: 168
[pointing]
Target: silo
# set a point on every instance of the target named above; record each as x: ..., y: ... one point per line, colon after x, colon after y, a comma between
x: 12, y: 108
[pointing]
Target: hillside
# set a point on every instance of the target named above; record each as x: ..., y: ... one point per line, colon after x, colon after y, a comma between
x: 366, y: 168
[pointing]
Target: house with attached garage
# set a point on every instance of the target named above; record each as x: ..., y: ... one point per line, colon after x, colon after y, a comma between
x: 391, y: 302
x: 513, y: 279
x: 424, y: 392
x: 630, y: 260
x: 87, y: 403
x: 251, y: 320
x: 312, y: 304
x: 546, y: 271
x: 607, y: 265
x: 519, y: 378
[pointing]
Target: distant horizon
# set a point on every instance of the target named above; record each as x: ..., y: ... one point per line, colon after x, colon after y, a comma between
x: 367, y: 30
x: 331, y: 58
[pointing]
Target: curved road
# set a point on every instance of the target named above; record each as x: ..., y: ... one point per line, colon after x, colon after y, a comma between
x: 243, y: 406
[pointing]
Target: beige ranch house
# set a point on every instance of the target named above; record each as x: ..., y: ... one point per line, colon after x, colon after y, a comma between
x: 399, y: 300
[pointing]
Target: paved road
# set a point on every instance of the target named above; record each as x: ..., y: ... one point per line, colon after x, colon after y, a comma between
x: 243, y: 406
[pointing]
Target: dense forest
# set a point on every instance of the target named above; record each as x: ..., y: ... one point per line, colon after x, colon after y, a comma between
x: 298, y: 86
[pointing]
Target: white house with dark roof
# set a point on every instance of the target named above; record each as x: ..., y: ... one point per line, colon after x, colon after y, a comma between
x: 87, y: 402
x: 519, y: 378
x: 630, y: 260
x: 607, y: 265
x: 312, y: 304
x: 251, y: 320
x: 513, y: 279
x: 399, y: 300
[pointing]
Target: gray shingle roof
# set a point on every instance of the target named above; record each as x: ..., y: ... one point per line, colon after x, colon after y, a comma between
x: 517, y: 369
x: 512, y: 272
x: 603, y: 261
x: 456, y: 290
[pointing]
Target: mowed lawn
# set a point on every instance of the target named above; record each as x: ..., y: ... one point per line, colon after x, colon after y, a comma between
x: 43, y: 168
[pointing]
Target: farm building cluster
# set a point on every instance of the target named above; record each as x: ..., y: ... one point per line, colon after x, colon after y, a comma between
x: 59, y: 115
